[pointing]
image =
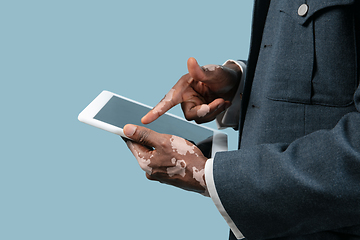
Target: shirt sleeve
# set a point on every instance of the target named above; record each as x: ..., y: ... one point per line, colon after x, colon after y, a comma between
x: 215, y: 197
x: 230, y: 117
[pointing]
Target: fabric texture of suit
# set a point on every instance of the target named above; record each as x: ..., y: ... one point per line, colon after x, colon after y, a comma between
x: 296, y: 174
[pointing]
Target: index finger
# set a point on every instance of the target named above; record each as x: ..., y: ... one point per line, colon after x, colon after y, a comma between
x: 171, y: 99
x: 164, y: 105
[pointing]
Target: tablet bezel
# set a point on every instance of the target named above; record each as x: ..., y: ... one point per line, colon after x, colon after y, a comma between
x: 88, y: 114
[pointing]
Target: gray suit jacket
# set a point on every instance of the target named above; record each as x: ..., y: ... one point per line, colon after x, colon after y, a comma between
x: 297, y: 172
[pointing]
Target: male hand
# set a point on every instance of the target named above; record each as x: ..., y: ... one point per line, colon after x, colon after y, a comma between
x: 168, y: 159
x: 203, y: 93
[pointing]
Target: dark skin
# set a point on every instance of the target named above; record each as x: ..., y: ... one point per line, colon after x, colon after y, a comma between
x: 201, y: 86
x: 171, y: 160
x: 210, y: 85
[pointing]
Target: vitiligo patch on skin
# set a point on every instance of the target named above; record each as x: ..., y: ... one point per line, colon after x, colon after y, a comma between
x: 204, y: 109
x: 168, y: 97
x: 180, y: 145
x: 199, y: 176
x: 180, y: 167
x: 144, y: 163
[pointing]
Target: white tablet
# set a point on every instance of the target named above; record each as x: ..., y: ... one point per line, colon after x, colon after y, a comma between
x: 111, y: 112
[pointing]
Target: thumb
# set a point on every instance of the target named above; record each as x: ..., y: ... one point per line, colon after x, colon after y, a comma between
x: 195, y: 71
x: 141, y: 135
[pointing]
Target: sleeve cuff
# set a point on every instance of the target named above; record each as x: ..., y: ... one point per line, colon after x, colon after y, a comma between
x: 230, y: 118
x: 209, y: 178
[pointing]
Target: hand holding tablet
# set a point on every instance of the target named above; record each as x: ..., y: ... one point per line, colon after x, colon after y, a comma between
x: 168, y: 158
x: 111, y: 112
x: 160, y: 147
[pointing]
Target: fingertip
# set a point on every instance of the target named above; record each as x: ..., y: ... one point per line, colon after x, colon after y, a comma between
x: 191, y: 60
x: 129, y: 130
x: 227, y: 104
x: 144, y: 120
x: 217, y: 103
x: 195, y: 70
x: 148, y: 118
x: 191, y: 63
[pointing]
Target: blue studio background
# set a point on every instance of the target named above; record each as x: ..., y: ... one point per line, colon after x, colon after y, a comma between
x: 62, y: 179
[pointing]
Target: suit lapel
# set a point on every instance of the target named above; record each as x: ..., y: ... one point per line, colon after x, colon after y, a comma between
x: 261, y: 8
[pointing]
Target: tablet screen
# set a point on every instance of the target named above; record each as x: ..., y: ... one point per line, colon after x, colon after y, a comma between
x: 119, y: 112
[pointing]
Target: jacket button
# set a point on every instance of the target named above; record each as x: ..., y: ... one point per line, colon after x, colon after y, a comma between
x: 303, y: 10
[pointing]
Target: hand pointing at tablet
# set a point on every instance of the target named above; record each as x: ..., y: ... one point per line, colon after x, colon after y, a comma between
x: 167, y: 158
x: 203, y: 93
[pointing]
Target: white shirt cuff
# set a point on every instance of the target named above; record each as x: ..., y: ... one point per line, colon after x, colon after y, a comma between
x: 209, y: 178
x: 230, y: 118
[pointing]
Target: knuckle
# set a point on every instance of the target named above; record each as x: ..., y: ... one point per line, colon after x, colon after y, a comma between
x: 185, y: 78
x: 188, y: 118
x: 198, y: 121
x: 150, y: 177
x: 189, y: 115
x: 143, y: 137
x: 203, y: 120
x: 156, y: 176
x: 164, y: 143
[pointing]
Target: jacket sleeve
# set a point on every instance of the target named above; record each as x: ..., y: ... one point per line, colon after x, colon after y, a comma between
x: 306, y: 186
x: 310, y: 185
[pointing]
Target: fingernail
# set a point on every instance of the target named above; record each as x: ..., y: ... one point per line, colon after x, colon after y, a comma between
x: 129, y: 130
